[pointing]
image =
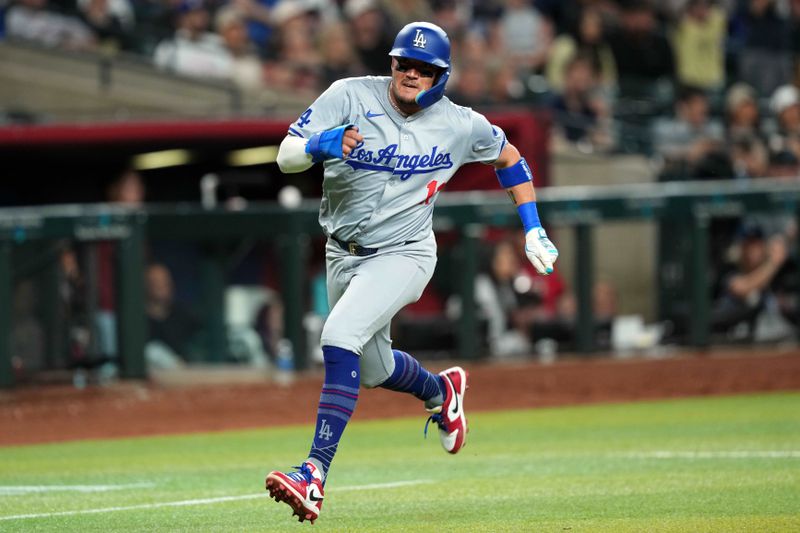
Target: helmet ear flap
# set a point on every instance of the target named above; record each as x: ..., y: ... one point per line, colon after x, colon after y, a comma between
x: 434, y: 94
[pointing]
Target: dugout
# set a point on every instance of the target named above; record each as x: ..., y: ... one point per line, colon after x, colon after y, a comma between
x: 576, y: 209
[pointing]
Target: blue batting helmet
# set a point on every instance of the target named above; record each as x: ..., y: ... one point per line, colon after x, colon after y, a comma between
x: 428, y: 43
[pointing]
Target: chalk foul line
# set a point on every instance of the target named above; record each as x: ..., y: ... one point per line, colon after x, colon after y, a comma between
x: 204, y: 501
x: 13, y: 490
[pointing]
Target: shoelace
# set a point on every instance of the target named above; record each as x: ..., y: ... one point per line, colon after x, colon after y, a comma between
x: 303, y: 473
x: 436, y: 417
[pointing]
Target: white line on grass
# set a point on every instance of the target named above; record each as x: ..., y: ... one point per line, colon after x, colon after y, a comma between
x: 741, y: 454
x: 204, y: 501
x: 390, y: 485
x: 11, y: 490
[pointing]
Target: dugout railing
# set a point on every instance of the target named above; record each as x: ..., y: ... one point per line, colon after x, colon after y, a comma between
x: 690, y: 205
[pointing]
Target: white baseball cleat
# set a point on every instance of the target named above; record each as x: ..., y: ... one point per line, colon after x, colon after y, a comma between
x: 450, y: 415
x: 301, y: 490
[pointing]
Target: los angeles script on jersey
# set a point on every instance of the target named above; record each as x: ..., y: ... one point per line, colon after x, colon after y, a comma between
x: 404, y: 165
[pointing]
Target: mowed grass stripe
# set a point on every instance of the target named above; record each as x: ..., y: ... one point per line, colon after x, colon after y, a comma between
x: 738, y: 454
x: 715, y: 464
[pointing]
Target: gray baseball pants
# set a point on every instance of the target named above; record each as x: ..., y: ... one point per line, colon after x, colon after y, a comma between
x: 365, y: 293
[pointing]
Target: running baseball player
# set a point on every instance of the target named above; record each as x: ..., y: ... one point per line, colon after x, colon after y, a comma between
x: 389, y: 145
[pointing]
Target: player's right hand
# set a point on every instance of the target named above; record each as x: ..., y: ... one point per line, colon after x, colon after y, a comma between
x: 350, y: 140
x: 540, y: 250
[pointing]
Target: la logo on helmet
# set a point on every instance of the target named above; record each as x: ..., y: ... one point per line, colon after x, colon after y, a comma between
x: 419, y: 39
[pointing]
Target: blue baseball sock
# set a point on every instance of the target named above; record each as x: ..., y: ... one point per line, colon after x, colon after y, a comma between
x: 336, y: 404
x: 410, y: 376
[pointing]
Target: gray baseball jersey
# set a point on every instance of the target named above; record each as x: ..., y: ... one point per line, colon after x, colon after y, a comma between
x: 383, y: 193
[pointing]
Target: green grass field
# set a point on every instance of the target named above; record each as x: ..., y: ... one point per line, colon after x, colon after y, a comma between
x: 719, y: 464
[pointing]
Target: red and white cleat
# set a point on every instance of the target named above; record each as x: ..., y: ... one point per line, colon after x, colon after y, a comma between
x: 450, y: 415
x: 301, y: 490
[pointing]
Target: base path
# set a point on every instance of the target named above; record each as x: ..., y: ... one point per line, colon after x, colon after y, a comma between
x: 59, y: 413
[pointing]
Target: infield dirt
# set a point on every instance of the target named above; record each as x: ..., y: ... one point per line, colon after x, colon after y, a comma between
x: 60, y: 413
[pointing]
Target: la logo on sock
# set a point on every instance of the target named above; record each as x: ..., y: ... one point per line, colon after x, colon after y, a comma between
x: 325, y: 430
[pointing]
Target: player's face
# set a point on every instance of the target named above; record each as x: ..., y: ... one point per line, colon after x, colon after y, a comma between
x: 409, y: 77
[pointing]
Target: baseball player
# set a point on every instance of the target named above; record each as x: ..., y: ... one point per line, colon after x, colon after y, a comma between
x: 389, y: 145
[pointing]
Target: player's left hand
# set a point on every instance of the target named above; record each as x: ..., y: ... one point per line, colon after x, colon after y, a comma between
x: 540, y: 250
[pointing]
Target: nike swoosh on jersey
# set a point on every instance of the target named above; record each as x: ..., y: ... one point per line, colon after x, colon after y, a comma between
x: 370, y: 114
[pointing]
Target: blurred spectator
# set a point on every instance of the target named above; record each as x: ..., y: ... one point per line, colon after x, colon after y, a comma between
x: 526, y: 34
x: 299, y: 14
x: 604, y: 304
x: 90, y: 349
x: 691, y: 135
x: 471, y: 87
x: 339, y: 59
x: 172, y: 327
x: 72, y: 293
x: 89, y: 290
x: 784, y: 165
x: 742, y: 116
x: 504, y: 85
x: 247, y: 72
x: 699, y: 44
x: 297, y: 62
x: 765, y: 60
x: 452, y: 16
x: 560, y: 325
x: 127, y: 190
x: 155, y: 22
x: 785, y: 107
x: 580, y: 109
x: 505, y: 309
x: 193, y: 50
x: 269, y: 323
x: 518, y: 305
x: 257, y: 14
x: 112, y: 22
x: 402, y: 13
x: 749, y: 157
x: 243, y: 322
x: 370, y: 33
x: 604, y: 300
x: 481, y: 78
x: 565, y: 14
x: 589, y: 39
x: 643, y: 55
x: 715, y: 165
x: 31, y: 20
x: 749, y: 307
x: 473, y: 50
x: 484, y: 15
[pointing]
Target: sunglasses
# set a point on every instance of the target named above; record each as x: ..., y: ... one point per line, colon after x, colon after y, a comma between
x: 425, y: 71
